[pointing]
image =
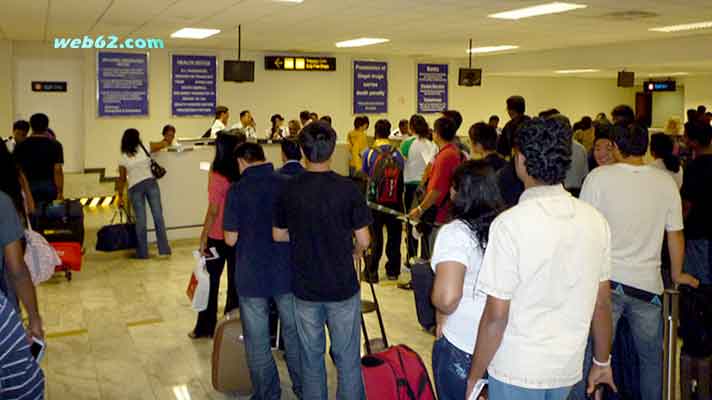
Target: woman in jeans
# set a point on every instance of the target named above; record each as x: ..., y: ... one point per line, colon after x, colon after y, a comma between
x: 135, y: 168
x: 223, y: 173
x: 457, y: 258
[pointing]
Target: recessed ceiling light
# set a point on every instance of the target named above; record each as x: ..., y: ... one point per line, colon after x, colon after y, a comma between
x: 194, y: 33
x: 543, y: 9
x: 683, y: 27
x: 491, y: 49
x: 361, y: 42
x: 576, y: 71
x: 668, y: 74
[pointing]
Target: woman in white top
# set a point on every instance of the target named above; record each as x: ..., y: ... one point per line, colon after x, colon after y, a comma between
x: 661, y: 148
x: 457, y: 258
x: 135, y: 168
x: 418, y: 151
x: 278, y: 131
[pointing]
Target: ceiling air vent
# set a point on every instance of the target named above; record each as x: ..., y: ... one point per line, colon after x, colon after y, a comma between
x: 630, y: 15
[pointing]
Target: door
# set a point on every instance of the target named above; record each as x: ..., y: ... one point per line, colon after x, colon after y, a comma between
x: 644, y: 108
x: 64, y: 109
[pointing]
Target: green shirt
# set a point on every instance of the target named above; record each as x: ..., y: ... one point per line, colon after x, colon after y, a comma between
x: 405, y: 146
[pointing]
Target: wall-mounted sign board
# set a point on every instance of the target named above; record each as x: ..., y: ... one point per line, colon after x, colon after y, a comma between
x: 42, y: 86
x: 293, y: 63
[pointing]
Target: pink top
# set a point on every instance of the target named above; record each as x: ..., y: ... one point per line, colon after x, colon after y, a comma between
x: 218, y: 187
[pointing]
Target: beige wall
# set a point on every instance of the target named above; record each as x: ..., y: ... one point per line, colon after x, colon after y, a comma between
x: 325, y: 92
x: 698, y: 90
x: 6, y: 118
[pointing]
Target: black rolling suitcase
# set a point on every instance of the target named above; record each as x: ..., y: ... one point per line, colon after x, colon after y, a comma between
x: 60, y: 221
x: 422, y: 281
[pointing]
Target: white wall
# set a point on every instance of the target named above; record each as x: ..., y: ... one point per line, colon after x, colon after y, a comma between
x: 698, y: 91
x: 324, y: 92
x: 667, y: 105
x: 5, y: 88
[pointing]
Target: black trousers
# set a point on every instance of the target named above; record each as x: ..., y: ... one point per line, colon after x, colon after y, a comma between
x: 394, y: 227
x: 207, y: 320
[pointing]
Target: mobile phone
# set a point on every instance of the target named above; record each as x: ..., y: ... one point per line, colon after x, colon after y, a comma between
x: 37, y: 348
x: 479, y: 390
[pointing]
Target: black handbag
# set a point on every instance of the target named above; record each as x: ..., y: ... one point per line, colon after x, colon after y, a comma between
x: 121, y: 236
x: 157, y: 171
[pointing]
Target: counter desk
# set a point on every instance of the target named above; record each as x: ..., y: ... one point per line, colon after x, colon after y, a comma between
x: 184, y: 189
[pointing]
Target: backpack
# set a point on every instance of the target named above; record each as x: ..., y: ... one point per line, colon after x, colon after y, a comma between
x: 385, y: 178
x: 395, y: 374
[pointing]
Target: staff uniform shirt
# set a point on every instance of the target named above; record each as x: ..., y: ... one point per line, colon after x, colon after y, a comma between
x: 547, y: 256
x: 640, y: 203
x: 456, y: 242
x: 263, y: 265
x: 249, y: 131
x: 216, y: 127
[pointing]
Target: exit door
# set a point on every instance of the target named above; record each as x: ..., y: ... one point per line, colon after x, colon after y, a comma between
x: 644, y: 108
x: 64, y: 109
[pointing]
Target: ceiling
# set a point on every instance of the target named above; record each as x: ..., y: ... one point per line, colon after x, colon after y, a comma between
x: 421, y: 28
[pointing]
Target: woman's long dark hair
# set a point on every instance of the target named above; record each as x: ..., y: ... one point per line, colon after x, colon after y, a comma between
x: 661, y: 145
x: 224, y: 162
x: 130, y: 142
x: 274, y: 119
x: 10, y: 180
x: 419, y: 125
x: 477, y: 200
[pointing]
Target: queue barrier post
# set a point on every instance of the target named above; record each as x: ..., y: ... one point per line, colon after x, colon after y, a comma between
x: 671, y: 316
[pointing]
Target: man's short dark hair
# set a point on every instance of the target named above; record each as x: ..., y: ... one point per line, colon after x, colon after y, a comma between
x: 220, y: 110
x: 39, y: 122
x: 494, y: 118
x: 517, y: 104
x: 304, y: 115
x: 403, y: 123
x: 168, y: 128
x: 291, y: 150
x: 624, y: 113
x: 326, y: 119
x: 244, y: 112
x: 546, y: 145
x: 586, y: 123
x: 701, y: 110
x: 699, y: 132
x: 382, y: 129
x: 455, y: 116
x: 485, y: 135
x: 360, y: 121
x: 314, y: 116
x: 318, y: 140
x: 549, y: 113
x: 21, y: 125
x: 250, y: 152
x: 445, y: 127
x: 631, y: 140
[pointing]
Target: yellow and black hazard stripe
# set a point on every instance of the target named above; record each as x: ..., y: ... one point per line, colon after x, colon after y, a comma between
x: 98, y: 201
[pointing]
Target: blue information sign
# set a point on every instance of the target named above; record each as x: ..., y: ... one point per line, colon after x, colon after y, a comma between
x: 432, y: 88
x: 370, y: 87
x: 193, y: 86
x: 122, y: 84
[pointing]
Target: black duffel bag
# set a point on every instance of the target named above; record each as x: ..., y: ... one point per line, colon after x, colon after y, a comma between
x: 121, y: 236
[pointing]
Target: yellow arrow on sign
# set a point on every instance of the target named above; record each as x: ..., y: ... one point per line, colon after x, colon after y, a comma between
x: 278, y: 62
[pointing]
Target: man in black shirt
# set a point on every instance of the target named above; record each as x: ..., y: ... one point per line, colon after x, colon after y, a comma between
x: 696, y: 196
x: 41, y: 159
x: 516, y: 107
x: 483, y: 139
x: 319, y: 213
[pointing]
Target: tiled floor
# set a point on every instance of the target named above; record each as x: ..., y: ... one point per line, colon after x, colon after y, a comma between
x: 118, y: 329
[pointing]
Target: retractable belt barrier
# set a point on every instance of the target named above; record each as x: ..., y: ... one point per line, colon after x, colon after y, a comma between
x: 401, y: 216
x: 671, y: 316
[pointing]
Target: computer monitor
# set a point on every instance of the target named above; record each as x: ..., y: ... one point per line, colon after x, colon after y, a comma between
x: 470, y: 77
x: 626, y: 79
x: 239, y: 71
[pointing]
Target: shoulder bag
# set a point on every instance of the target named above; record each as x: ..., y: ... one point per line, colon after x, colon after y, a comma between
x: 157, y: 171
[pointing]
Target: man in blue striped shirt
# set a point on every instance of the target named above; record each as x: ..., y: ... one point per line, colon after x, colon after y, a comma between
x: 20, y: 375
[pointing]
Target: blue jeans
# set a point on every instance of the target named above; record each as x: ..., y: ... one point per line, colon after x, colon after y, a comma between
x: 502, y: 391
x: 646, y: 324
x: 698, y: 260
x: 254, y: 312
x: 343, y: 318
x: 451, y: 366
x: 147, y: 190
x: 43, y: 191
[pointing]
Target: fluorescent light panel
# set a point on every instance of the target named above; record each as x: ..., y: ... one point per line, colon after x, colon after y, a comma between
x: 288, y: 1
x: 543, y: 9
x: 361, y: 42
x: 654, y: 74
x: 576, y: 71
x: 683, y: 27
x: 491, y: 49
x: 194, y: 33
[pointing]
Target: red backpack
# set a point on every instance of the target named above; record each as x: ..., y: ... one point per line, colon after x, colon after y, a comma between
x: 396, y: 374
x: 385, y: 177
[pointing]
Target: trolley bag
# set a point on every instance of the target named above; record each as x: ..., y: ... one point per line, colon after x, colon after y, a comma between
x: 60, y: 221
x: 396, y: 374
x: 229, y: 361
x: 422, y: 279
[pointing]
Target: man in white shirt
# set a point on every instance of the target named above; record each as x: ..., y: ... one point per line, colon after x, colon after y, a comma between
x: 222, y: 115
x: 641, y: 204
x: 247, y: 123
x: 402, y: 132
x: 545, y: 273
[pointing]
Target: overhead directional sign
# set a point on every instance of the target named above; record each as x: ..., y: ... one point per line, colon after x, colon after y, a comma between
x: 293, y: 63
